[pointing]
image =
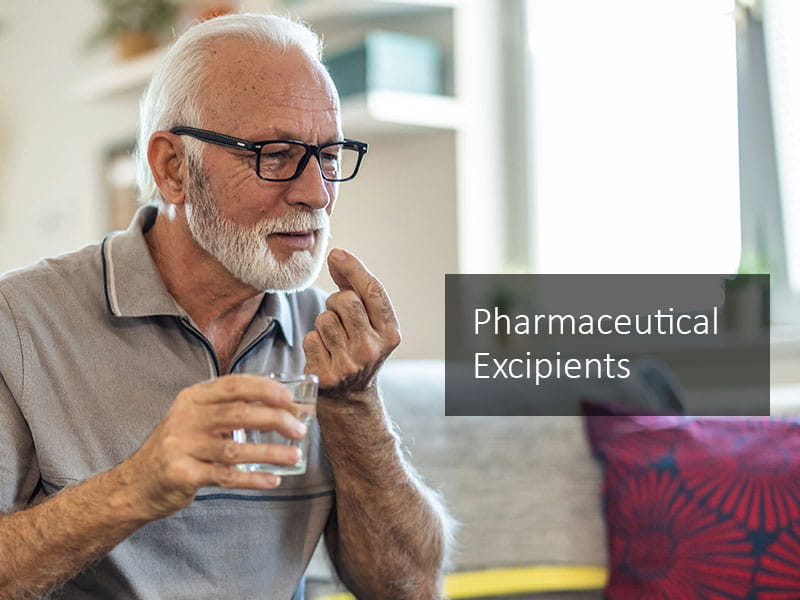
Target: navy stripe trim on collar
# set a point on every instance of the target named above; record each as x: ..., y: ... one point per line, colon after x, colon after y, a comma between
x: 54, y: 487
x: 105, y: 274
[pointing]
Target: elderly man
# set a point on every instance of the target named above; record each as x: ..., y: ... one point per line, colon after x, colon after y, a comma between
x: 126, y: 365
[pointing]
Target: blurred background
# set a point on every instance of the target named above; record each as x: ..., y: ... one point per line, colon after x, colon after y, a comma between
x: 506, y: 136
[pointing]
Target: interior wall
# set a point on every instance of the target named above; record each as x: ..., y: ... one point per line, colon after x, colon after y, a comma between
x: 51, y: 141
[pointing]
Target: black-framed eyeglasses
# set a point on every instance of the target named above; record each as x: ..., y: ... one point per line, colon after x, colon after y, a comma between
x: 285, y: 160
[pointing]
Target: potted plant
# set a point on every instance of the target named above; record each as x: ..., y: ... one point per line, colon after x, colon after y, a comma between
x: 747, y: 297
x: 134, y: 25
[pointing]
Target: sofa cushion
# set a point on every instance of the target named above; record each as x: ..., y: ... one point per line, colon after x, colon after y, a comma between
x: 699, y: 507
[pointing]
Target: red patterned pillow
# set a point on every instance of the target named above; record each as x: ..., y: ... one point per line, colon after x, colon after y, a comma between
x: 700, y: 508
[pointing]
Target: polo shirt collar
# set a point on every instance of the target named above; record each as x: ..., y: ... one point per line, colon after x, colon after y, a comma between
x: 134, y: 288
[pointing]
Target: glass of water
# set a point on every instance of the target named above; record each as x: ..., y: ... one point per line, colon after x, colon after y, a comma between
x: 303, y: 407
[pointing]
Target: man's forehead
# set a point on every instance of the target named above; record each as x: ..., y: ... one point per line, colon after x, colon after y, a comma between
x: 250, y: 66
x: 245, y: 79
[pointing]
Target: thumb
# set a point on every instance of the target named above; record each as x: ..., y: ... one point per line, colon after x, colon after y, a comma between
x: 336, y: 267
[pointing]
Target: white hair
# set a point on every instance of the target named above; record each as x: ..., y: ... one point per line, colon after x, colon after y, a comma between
x: 172, y: 98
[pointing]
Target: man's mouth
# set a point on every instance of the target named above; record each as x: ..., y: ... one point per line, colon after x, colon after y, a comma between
x: 297, y: 240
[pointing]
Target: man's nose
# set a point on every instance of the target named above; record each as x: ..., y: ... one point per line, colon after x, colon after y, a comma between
x: 311, y: 188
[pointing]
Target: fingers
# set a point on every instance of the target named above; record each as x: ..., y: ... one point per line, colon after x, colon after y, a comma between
x: 196, y: 474
x: 315, y: 351
x: 338, y: 261
x: 229, y: 453
x: 350, y: 347
x: 242, y: 387
x: 350, y: 311
x: 222, y: 418
x: 236, y: 402
x: 349, y: 273
x: 346, y: 333
x: 341, y: 361
x: 228, y: 477
x: 332, y: 331
x: 318, y: 360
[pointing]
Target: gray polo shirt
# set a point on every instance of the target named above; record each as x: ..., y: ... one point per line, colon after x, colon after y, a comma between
x: 94, y: 351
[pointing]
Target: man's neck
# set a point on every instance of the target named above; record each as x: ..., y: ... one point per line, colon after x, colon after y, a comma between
x: 220, y: 305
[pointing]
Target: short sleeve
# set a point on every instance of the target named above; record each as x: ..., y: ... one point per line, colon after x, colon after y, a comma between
x: 19, y: 469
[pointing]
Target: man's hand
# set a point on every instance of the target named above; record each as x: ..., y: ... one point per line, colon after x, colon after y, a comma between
x: 355, y: 335
x: 191, y: 448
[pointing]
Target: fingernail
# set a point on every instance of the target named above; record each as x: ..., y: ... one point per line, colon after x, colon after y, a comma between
x: 268, y: 480
x: 338, y: 255
x: 300, y: 428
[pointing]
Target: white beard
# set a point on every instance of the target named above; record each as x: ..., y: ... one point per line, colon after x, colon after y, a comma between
x: 244, y: 251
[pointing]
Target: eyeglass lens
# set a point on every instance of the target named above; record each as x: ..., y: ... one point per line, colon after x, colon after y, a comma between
x: 279, y: 160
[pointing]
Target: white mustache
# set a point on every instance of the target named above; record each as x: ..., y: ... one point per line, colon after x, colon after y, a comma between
x: 294, y: 222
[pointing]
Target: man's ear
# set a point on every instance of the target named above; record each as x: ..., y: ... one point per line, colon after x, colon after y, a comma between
x: 165, y: 153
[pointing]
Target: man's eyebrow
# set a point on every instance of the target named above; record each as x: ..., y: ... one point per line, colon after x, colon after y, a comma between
x: 281, y: 134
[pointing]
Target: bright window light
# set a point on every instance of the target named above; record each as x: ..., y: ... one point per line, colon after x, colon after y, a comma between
x: 635, y: 136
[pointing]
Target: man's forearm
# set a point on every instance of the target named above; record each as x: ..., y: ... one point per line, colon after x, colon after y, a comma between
x: 44, y: 546
x: 390, y: 533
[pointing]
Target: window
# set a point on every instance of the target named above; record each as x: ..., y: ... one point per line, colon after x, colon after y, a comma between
x: 634, y: 134
x: 775, y: 153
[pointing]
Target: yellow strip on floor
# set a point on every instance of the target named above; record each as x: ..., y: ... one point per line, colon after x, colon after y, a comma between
x: 518, y: 580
